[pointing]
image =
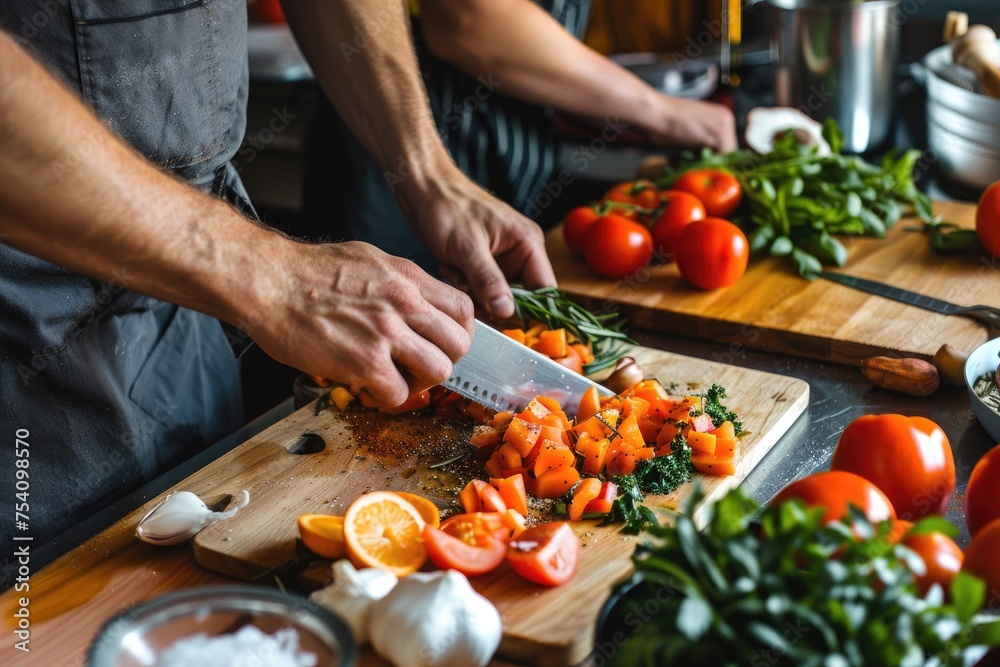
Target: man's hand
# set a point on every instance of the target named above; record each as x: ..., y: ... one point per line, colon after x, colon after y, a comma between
x: 481, y: 242
x: 350, y: 312
x: 692, y: 124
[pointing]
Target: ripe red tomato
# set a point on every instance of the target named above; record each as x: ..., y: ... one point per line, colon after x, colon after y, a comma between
x: 547, y: 554
x: 617, y: 247
x: 941, y: 556
x: 572, y: 360
x: 680, y: 209
x: 981, y: 559
x: 452, y: 553
x: 908, y: 458
x: 835, y: 490
x: 982, y: 495
x: 712, y: 253
x: 988, y: 219
x: 718, y: 190
x: 575, y: 227
x: 641, y: 193
x: 474, y: 527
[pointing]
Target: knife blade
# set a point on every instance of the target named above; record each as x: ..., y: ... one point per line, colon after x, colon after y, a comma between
x: 895, y: 293
x: 503, y: 374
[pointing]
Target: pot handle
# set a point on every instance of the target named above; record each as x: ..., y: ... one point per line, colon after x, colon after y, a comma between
x: 919, y: 73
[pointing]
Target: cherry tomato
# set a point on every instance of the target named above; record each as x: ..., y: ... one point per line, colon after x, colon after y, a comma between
x: 941, y: 556
x: 547, y: 554
x: 835, y: 490
x: 988, y: 219
x: 718, y: 190
x: 616, y: 247
x: 981, y: 559
x: 908, y: 458
x: 575, y: 227
x: 641, y: 193
x: 712, y: 253
x: 982, y: 495
x: 452, y: 553
x: 679, y: 210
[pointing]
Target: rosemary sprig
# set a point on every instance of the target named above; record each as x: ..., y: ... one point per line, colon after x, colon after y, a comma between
x: 551, y: 306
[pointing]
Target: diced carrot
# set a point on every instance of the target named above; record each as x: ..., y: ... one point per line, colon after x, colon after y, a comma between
x: 725, y: 431
x: 661, y: 409
x: 725, y: 448
x: 516, y: 334
x: 667, y: 434
x: 681, y: 408
x: 701, y: 442
x: 586, y: 354
x: 629, y: 431
x: 635, y: 406
x: 484, y: 436
x: 536, y: 330
x: 650, y: 391
x: 595, y: 426
x: 479, y: 413
x: 555, y: 483
x: 711, y: 465
x: 650, y: 428
x: 515, y: 521
x: 558, y: 419
x: 644, y: 453
x: 590, y: 403
x: 509, y: 457
x: 494, y: 467
x: 611, y: 403
x: 550, y: 403
x: 595, y: 453
x: 586, y: 490
x: 552, y: 343
x: 469, y: 498
x: 620, y: 462
x: 582, y: 442
x: 550, y: 458
x: 501, y: 420
x: 534, y: 413
x: 490, y: 497
x: 523, y: 435
x: 604, y: 500
x: 512, y: 491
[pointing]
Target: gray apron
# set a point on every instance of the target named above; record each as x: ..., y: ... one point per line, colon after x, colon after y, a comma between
x: 114, y: 387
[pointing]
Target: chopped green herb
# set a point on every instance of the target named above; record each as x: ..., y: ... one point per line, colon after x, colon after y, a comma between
x: 713, y: 407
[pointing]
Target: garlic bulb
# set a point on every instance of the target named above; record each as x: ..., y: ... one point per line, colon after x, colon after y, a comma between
x: 435, y: 619
x: 352, y: 594
x: 179, y: 517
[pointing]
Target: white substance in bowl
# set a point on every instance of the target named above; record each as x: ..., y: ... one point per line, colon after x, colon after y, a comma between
x: 248, y: 646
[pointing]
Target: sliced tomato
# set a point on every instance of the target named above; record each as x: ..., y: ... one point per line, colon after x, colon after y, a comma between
x: 475, y: 527
x: 604, y: 500
x: 547, y: 554
x: 585, y: 491
x: 452, y: 553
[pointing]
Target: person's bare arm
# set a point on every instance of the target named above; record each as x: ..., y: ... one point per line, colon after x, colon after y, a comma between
x: 73, y: 194
x: 532, y: 57
x: 362, y: 55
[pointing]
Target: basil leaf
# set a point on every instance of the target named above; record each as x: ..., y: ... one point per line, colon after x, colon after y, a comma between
x: 781, y: 246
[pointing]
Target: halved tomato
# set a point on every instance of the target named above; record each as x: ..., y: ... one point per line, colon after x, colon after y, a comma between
x: 547, y: 554
x: 473, y: 527
x: 452, y: 553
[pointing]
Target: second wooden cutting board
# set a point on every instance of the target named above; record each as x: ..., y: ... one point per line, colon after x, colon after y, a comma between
x: 369, y: 451
x: 771, y: 308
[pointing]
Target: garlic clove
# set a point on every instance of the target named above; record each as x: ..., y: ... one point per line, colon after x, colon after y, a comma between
x: 179, y: 517
x: 352, y: 594
x: 435, y: 620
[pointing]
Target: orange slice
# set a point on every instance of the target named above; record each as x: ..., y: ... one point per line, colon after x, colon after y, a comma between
x: 428, y: 510
x: 383, y: 530
x: 323, y: 534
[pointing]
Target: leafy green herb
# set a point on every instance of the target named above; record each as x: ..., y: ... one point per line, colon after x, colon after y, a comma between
x: 807, y: 594
x: 948, y: 237
x: 795, y: 200
x: 551, y: 306
x: 713, y: 407
x: 660, y: 475
x: 628, y: 508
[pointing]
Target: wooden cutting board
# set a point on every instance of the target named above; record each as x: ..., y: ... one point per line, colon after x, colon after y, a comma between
x: 773, y: 309
x: 370, y: 451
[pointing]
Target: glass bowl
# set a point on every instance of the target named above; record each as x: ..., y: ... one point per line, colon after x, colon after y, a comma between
x: 138, y: 637
x: 984, y: 358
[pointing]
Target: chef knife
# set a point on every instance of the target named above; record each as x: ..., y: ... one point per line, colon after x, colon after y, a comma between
x: 503, y: 374
x: 987, y: 314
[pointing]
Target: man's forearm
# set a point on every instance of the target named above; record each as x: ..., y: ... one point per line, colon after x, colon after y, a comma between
x: 74, y: 194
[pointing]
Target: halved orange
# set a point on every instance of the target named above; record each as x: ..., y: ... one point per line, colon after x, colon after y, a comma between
x: 383, y: 530
x: 323, y: 534
x: 428, y: 510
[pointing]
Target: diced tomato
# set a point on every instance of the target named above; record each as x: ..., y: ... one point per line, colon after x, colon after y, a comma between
x: 586, y: 354
x: 490, y: 497
x: 547, y: 554
x: 572, y: 360
x: 604, y: 500
x: 555, y: 483
x: 701, y: 442
x: 586, y: 490
x: 474, y: 526
x: 469, y: 498
x: 452, y: 553
x: 551, y: 343
x: 522, y: 435
x: 494, y: 466
x: 515, y: 521
x: 590, y: 403
x: 513, y: 493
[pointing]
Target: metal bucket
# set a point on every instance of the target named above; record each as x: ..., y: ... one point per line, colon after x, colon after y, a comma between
x: 838, y: 58
x: 963, y: 128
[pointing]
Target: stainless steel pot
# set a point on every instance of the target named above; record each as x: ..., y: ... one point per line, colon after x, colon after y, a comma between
x: 963, y: 128
x: 838, y: 58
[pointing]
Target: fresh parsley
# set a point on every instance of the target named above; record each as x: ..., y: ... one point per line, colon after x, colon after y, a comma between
x: 659, y: 475
x: 713, y: 407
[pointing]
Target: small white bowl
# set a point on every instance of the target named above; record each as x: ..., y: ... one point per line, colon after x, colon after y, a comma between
x: 984, y: 358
